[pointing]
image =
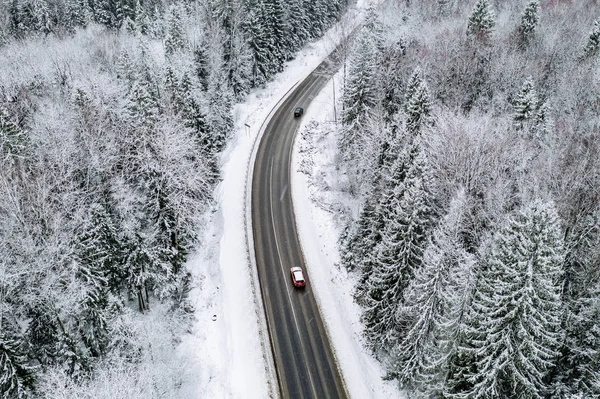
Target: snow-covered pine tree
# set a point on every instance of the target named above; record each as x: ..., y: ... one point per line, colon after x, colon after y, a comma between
x: 239, y: 65
x: 593, y: 44
x: 219, y: 117
x: 433, y: 306
x: 418, y: 108
x: 542, y: 123
x: 578, y: 368
x: 236, y: 52
x: 373, y: 25
x: 91, y: 321
x: 299, y: 24
x: 16, y: 377
x: 517, y: 309
x: 99, y: 247
x: 42, y: 332
x: 317, y: 12
x: 175, y: 39
x: 360, y: 94
x: 412, y: 86
x: 13, y: 141
x: 525, y: 104
x: 363, y: 238
x: 407, y: 217
x: 482, y: 21
x: 193, y: 114
x: 529, y: 22
x: 260, y: 43
x: 279, y: 28
x: 393, y: 90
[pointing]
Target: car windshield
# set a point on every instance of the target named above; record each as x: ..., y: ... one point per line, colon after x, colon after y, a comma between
x: 298, y: 276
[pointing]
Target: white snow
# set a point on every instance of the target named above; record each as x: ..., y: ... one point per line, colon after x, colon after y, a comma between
x: 223, y: 353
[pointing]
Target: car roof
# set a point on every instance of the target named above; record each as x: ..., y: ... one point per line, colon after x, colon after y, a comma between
x: 298, y: 275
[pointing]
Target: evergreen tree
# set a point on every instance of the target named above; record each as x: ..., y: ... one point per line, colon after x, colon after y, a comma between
x: 542, y: 123
x: 13, y: 141
x: 317, y: 12
x: 260, y: 43
x: 593, y: 44
x: 78, y: 13
x: 239, y: 64
x: 142, y: 21
x: 299, y: 24
x: 393, y: 90
x: 578, y: 367
x: 99, y: 248
x: 16, y: 376
x: 363, y: 239
x: 360, y: 95
x: 407, y: 217
x: 413, y: 84
x: 42, y: 332
x: 278, y: 27
x: 529, y: 22
x: 220, y: 119
x: 201, y: 63
x: 517, y: 309
x: 374, y: 26
x: 526, y: 104
x: 432, y: 308
x: 92, y: 321
x: 175, y: 39
x: 193, y: 114
x: 481, y: 22
x: 418, y: 107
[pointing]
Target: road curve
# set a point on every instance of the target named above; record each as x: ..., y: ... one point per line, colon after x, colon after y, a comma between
x: 304, y: 361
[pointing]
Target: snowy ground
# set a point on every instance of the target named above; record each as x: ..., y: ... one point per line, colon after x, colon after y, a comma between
x: 223, y: 355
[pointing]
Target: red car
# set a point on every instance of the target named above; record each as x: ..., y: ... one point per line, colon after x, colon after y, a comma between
x: 297, y: 277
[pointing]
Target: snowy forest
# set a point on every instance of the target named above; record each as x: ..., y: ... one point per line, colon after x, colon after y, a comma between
x: 470, y: 139
x: 112, y: 118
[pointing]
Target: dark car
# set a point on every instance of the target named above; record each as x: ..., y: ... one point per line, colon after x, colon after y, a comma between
x: 298, y: 111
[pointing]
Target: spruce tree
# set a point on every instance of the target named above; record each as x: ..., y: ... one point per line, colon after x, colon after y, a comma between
x: 399, y: 255
x: 542, y: 123
x: 13, y: 141
x: 373, y: 25
x: 481, y: 22
x: 360, y: 95
x: 359, y: 242
x: 593, y: 44
x: 16, y: 377
x: 418, y: 108
x: 260, y: 43
x: 529, y: 22
x: 578, y: 367
x: 299, y: 24
x: 317, y: 12
x: 517, y: 308
x: 393, y: 91
x: 175, y: 39
x: 526, y: 104
x: 433, y: 307
x: 219, y: 118
x: 279, y: 28
x: 192, y: 112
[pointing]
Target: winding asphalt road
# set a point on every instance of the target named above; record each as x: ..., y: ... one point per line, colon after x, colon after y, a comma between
x: 304, y: 361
